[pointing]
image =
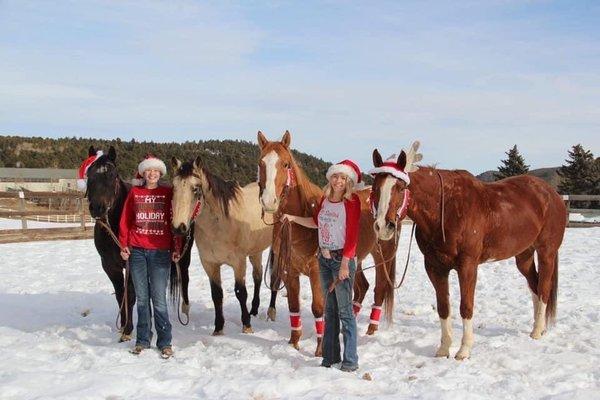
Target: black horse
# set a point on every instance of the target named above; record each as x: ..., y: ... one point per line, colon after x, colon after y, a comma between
x: 106, y: 193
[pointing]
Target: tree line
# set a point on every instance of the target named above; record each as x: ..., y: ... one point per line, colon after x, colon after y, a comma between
x: 230, y: 159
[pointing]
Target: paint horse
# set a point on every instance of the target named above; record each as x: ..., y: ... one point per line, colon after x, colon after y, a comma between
x: 228, y: 228
x: 106, y: 193
x: 285, y: 189
x: 462, y: 222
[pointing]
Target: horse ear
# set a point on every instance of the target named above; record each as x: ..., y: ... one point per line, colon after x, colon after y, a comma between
x: 377, y: 160
x: 262, y: 140
x: 175, y: 163
x: 112, y: 154
x: 286, y: 139
x: 401, y: 160
x: 91, y: 151
x: 198, y: 163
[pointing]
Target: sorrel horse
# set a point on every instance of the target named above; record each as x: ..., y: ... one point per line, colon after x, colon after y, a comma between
x: 106, y: 193
x: 228, y: 228
x: 284, y: 188
x: 462, y: 222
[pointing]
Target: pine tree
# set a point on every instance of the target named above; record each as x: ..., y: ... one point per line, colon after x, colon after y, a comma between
x: 581, y: 173
x: 513, y: 165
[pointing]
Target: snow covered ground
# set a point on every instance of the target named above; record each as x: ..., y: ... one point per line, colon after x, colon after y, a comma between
x: 49, y: 350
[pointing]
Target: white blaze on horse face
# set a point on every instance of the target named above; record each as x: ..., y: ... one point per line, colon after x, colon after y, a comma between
x: 269, y: 196
x: 385, y: 195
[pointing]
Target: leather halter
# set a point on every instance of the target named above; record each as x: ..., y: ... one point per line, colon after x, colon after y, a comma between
x: 402, y: 210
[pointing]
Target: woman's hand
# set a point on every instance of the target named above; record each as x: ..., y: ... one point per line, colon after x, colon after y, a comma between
x: 287, y: 217
x: 125, y: 253
x: 344, y: 269
x: 175, y: 256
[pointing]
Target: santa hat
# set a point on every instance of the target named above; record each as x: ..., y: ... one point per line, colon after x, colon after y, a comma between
x: 82, y: 172
x: 149, y: 162
x: 390, y: 166
x: 347, y: 167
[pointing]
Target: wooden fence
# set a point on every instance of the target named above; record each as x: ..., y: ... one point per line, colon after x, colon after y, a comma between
x: 568, y: 198
x: 27, y: 212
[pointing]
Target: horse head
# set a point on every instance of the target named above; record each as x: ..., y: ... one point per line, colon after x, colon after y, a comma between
x: 189, y: 186
x: 390, y: 195
x: 275, y: 171
x: 103, y: 183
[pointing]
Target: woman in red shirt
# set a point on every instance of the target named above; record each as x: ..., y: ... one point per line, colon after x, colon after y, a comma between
x: 145, y: 235
x: 337, y: 218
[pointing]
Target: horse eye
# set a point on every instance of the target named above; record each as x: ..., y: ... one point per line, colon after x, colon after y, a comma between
x: 197, y: 191
x: 286, y: 165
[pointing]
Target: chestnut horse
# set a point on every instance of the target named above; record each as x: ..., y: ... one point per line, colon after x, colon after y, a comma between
x: 462, y: 222
x: 227, y: 229
x: 284, y: 188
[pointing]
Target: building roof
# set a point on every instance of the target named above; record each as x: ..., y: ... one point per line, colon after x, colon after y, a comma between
x: 38, y: 173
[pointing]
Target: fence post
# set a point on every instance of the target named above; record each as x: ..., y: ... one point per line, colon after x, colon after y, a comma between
x: 82, y: 213
x: 22, y: 208
x: 568, y: 205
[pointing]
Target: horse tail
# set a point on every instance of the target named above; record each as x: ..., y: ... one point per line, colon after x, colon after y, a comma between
x: 174, y: 285
x: 552, y: 302
x: 390, y: 290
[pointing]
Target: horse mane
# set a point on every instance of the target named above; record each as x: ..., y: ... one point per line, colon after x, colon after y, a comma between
x: 224, y: 191
x: 307, y: 188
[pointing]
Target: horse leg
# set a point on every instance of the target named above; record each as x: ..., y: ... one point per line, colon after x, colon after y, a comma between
x: 115, y: 274
x: 213, y: 270
x: 293, y: 292
x: 241, y: 294
x: 184, y: 265
x: 361, y: 286
x: 467, y: 279
x: 275, y: 282
x: 317, y: 306
x: 526, y: 265
x: 256, y: 261
x: 126, y: 336
x: 547, y: 290
x: 384, y: 285
x: 439, y: 279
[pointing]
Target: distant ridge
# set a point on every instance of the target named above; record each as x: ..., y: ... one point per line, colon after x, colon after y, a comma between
x: 547, y: 174
x: 230, y: 159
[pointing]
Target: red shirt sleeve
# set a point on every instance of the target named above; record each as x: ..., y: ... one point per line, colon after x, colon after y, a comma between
x: 126, y: 221
x: 352, y: 226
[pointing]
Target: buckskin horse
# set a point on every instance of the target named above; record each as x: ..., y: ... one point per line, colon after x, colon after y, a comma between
x: 106, y: 193
x: 228, y: 229
x: 284, y: 188
x: 462, y: 222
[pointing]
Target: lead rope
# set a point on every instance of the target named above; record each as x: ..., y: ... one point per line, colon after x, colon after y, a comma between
x: 124, y: 301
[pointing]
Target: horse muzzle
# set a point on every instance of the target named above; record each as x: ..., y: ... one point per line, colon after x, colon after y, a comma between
x: 180, y: 230
x: 386, y: 232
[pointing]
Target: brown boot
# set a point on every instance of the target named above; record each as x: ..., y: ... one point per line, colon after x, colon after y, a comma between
x: 137, y: 349
x: 166, y: 352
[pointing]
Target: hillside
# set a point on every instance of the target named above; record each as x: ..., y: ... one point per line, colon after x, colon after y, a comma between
x: 547, y: 174
x: 230, y: 159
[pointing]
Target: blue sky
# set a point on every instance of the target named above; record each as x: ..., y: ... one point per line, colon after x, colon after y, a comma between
x: 468, y: 79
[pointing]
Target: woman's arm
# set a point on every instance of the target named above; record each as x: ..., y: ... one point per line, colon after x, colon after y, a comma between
x: 304, y: 221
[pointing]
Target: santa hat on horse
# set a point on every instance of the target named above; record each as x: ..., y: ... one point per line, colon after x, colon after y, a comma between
x: 391, y: 166
x: 93, y: 155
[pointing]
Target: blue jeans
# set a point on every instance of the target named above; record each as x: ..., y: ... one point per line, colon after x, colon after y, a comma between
x: 338, y: 307
x: 150, y: 271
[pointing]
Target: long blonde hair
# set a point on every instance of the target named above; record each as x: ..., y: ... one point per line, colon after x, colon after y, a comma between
x: 348, y: 190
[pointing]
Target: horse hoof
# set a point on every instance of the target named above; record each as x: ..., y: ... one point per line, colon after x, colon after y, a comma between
x: 254, y: 312
x: 319, y: 350
x: 442, y: 353
x: 536, y: 334
x: 247, y: 329
x: 271, y: 313
x: 218, y: 333
x: 125, y: 338
x: 295, y: 346
x: 463, y: 353
x: 185, y: 308
x: 372, y: 329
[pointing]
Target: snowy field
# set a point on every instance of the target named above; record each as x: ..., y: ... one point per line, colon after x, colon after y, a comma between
x: 6, y: 223
x: 51, y: 351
